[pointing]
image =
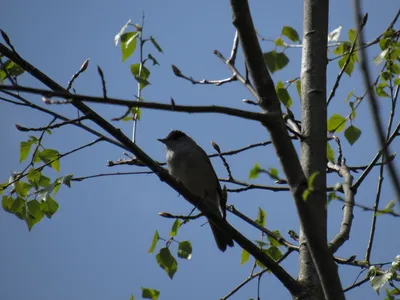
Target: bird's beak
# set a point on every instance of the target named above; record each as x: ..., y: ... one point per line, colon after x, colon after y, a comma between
x: 161, y: 140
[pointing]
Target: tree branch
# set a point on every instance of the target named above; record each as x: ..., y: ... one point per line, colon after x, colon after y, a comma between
x: 289, y: 282
x: 269, y: 102
x: 266, y: 118
x: 347, y: 220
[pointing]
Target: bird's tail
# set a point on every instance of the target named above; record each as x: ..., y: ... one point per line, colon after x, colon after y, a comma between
x: 220, y: 237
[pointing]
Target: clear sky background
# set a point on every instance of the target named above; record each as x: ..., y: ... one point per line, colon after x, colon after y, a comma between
x: 95, y: 246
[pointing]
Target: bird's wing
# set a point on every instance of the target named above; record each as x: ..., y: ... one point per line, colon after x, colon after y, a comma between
x: 222, y: 195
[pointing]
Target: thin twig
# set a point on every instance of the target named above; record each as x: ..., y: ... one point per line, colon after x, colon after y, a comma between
x: 139, y: 89
x: 375, y: 159
x: 178, y: 73
x: 270, y: 233
x: 235, y: 46
x: 76, y: 75
x: 255, y: 275
x: 266, y: 118
x: 103, y: 82
x: 27, y: 103
x: 236, y: 73
x: 380, y: 178
x: 181, y: 217
x: 58, y: 125
x: 349, y: 57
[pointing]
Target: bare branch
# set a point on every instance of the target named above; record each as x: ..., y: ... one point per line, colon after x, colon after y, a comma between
x: 380, y: 178
x: 347, y: 220
x: 76, y: 75
x: 181, y: 217
x: 373, y: 101
x: 375, y: 159
x: 266, y: 118
x: 270, y: 233
x: 58, y: 125
x: 219, y: 82
x: 235, y: 46
x: 236, y: 73
x: 27, y: 103
x: 103, y: 81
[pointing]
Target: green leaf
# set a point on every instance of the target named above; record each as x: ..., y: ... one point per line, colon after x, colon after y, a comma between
x: 274, y: 253
x: 185, y: 250
x: 352, y: 134
x: 7, y: 203
x: 381, y: 57
x: 283, y: 94
x: 273, y: 241
x: 18, y: 206
x: 353, y: 114
x: 273, y: 173
x: 342, y: 48
x: 128, y: 44
x: 334, y: 35
x: 255, y: 171
x: 154, y: 42
x: 44, y: 181
x: 167, y: 262
x: 380, y: 90
x: 132, y: 297
x: 49, y: 206
x: 175, y: 228
x: 379, y: 281
x: 336, y: 123
x: 66, y: 180
x: 10, y: 68
x: 350, y: 66
x: 33, y: 215
x: 275, y: 61
x: 34, y: 177
x: 24, y: 149
x: 151, y: 57
x: 156, y: 237
x: 245, y: 257
x: 141, y: 73
x: 330, y: 154
x: 298, y: 88
x: 397, y: 81
x: 290, y: 33
x: 150, y: 293
x: 279, y: 42
x: 22, y: 188
x: 62, y: 180
x: 3, y: 187
x: 261, y: 217
x: 310, y: 182
x: 261, y: 244
x: 51, y: 155
x: 352, y: 33
x: 394, y: 68
x: 384, y: 44
x: 387, y: 209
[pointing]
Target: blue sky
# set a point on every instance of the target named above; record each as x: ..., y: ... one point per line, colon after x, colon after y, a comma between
x: 95, y: 246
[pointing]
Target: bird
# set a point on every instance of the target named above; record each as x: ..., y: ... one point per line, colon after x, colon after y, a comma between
x: 188, y: 163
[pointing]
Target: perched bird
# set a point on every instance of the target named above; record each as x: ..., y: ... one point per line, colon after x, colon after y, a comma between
x: 189, y: 164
